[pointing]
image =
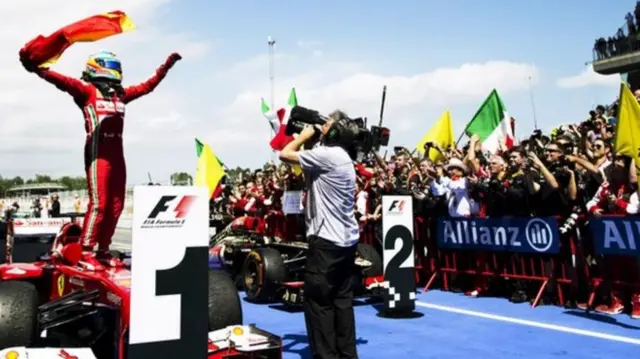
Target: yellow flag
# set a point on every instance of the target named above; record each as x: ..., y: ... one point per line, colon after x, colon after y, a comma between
x: 210, y: 171
x: 441, y: 133
x: 297, y: 170
x: 628, y: 125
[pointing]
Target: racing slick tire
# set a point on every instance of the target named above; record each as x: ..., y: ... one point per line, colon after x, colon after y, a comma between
x: 224, y: 302
x: 262, y: 273
x: 369, y: 253
x: 18, y: 314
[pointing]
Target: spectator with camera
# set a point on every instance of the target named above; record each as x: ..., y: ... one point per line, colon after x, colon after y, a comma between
x: 557, y: 186
x: 612, y: 198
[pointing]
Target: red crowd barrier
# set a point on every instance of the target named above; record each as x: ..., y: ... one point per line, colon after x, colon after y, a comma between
x: 615, y: 273
x: 544, y: 269
x: 561, y: 273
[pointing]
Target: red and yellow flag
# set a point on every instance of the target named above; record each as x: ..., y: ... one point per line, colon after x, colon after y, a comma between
x: 45, y: 51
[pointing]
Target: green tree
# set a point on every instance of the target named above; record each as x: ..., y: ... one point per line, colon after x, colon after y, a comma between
x: 72, y: 183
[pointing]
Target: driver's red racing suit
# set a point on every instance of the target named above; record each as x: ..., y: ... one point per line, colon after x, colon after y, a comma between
x: 103, y: 153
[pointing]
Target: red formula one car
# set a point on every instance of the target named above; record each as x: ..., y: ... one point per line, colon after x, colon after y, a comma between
x: 57, y: 308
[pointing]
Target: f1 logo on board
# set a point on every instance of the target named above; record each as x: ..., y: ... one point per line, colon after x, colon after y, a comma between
x: 161, y: 217
x: 396, y: 207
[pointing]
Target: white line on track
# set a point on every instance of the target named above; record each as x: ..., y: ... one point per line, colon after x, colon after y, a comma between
x: 531, y: 323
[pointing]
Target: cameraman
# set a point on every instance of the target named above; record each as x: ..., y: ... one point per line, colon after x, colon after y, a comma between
x: 332, y: 233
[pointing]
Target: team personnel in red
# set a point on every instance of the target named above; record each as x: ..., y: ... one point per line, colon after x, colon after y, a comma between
x: 102, y: 98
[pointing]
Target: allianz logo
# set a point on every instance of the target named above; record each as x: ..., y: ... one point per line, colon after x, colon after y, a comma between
x: 615, y: 233
x: 537, y: 233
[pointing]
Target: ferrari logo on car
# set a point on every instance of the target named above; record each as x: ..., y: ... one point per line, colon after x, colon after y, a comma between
x: 60, y: 285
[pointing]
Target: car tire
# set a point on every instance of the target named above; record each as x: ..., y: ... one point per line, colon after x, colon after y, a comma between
x: 18, y: 314
x: 369, y: 253
x: 225, y: 308
x: 262, y: 274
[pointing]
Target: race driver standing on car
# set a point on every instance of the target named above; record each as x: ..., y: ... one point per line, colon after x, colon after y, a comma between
x: 102, y: 98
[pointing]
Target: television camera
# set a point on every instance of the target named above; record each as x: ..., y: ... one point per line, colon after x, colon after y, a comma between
x: 358, y: 144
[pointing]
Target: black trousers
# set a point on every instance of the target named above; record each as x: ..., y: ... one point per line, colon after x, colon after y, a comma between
x: 328, y: 300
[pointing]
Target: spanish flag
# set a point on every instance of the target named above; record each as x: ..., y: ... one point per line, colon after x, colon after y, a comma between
x: 45, y: 51
x: 210, y: 171
x: 628, y: 126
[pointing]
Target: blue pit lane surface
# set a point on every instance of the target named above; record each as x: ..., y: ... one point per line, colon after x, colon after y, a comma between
x: 454, y: 326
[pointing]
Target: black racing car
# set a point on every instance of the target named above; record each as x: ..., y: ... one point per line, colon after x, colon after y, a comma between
x: 270, y: 269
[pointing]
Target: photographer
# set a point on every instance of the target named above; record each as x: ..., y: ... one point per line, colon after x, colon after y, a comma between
x: 613, y: 198
x: 558, y: 188
x: 332, y: 233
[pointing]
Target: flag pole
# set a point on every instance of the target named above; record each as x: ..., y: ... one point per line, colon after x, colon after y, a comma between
x: 533, y: 106
x: 272, y: 75
x: 474, y: 116
x: 272, y: 71
x: 464, y: 132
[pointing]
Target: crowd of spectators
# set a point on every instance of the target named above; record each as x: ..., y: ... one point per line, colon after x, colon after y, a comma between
x: 620, y: 43
x: 571, y: 171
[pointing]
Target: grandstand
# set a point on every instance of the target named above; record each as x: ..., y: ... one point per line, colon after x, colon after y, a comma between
x: 25, y: 194
x: 619, y: 53
x: 36, y: 189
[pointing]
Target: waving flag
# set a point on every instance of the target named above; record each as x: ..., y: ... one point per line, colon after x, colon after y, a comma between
x: 210, y: 171
x: 269, y: 115
x: 492, y: 124
x: 281, y: 139
x: 441, y: 134
x: 627, y: 141
x: 291, y: 103
x: 45, y: 51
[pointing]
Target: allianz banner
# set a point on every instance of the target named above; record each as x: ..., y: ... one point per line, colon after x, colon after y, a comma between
x: 523, y: 235
x: 616, y: 235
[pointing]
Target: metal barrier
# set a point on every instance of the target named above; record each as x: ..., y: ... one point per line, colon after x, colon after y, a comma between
x: 610, y: 254
x: 566, y: 271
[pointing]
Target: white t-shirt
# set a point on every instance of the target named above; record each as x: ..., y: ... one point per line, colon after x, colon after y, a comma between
x: 331, y: 179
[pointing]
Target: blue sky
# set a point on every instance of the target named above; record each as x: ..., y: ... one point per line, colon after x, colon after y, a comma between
x: 409, y: 37
x: 431, y: 55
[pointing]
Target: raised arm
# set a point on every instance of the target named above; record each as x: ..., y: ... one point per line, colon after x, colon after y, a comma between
x: 74, y: 87
x: 136, y: 91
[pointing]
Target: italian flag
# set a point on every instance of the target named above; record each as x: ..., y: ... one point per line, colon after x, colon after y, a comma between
x: 281, y: 139
x: 269, y: 115
x: 492, y: 124
x: 210, y: 171
x: 283, y: 113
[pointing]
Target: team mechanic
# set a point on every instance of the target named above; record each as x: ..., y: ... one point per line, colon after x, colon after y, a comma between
x: 332, y: 234
x: 102, y: 98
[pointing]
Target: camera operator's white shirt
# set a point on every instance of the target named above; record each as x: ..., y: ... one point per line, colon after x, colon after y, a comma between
x: 329, y: 211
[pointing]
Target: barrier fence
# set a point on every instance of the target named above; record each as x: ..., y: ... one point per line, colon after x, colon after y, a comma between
x: 68, y: 203
x: 596, y: 254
